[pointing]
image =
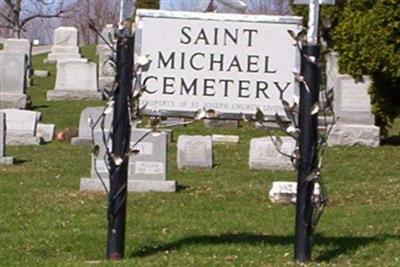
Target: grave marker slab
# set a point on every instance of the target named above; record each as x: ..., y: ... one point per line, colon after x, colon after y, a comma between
x: 106, y: 72
x: 353, y: 108
x: 21, y: 126
x: 264, y: 155
x: 352, y: 101
x: 46, y: 131
x: 194, y: 151
x: 225, y: 139
x: 343, y: 134
x: 76, y: 80
x: 41, y: 73
x: 13, y: 80
x: 65, y: 45
x: 107, y: 31
x: 147, y: 171
x: 286, y: 192
x: 85, y: 135
x: 21, y: 46
x: 221, y: 123
x: 151, y: 162
x: 3, y: 159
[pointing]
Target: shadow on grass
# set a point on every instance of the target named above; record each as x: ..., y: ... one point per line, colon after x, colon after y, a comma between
x: 182, y: 187
x: 391, y: 141
x: 20, y: 161
x: 337, y: 245
x: 33, y: 107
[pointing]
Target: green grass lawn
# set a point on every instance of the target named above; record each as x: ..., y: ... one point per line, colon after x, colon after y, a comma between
x: 219, y: 217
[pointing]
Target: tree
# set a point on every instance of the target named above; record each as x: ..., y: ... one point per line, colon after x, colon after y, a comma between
x: 366, y: 33
x: 100, y: 12
x: 149, y: 4
x: 368, y: 41
x: 16, y: 14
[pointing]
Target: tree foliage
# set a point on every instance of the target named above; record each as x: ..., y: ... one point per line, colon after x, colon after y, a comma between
x: 16, y: 14
x: 149, y: 4
x: 368, y: 41
x: 366, y: 33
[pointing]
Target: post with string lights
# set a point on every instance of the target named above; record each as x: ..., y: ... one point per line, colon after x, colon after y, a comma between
x: 120, y: 141
x: 308, y: 124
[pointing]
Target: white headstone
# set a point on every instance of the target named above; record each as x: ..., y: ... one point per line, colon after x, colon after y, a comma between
x: 106, y: 71
x: 41, y: 73
x: 286, y: 192
x: 194, y: 151
x: 151, y: 161
x: 107, y: 34
x: 23, y: 46
x: 215, y: 123
x: 21, y: 126
x: 46, y: 131
x: 85, y: 132
x: 344, y: 134
x: 352, y: 105
x: 65, y: 45
x: 147, y: 170
x: 12, y: 80
x: 225, y: 139
x: 3, y: 159
x: 264, y: 154
x: 76, y: 80
x: 352, y: 101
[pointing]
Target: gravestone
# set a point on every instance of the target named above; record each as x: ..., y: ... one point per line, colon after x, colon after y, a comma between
x: 76, y: 80
x: 286, y: 192
x: 215, y: 123
x: 23, y: 46
x: 151, y: 162
x: 21, y: 126
x: 13, y: 80
x: 106, y: 72
x: 194, y: 152
x: 46, y: 131
x: 65, y: 45
x: 106, y: 33
x: 265, y: 156
x: 353, y: 109
x: 41, y: 73
x: 3, y: 159
x: 147, y: 170
x: 98, y: 163
x: 85, y: 135
x: 225, y: 139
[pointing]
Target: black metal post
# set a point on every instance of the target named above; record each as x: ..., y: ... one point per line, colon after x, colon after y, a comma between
x: 308, y: 124
x: 120, y: 146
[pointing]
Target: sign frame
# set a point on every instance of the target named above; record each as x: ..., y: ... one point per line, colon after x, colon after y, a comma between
x: 145, y: 13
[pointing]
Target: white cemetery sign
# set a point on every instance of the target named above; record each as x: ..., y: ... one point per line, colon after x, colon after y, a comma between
x: 227, y: 62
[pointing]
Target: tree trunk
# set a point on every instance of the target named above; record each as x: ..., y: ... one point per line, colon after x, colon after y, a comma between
x: 16, y: 32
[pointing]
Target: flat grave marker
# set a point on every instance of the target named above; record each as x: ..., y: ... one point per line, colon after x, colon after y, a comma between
x: 194, y: 151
